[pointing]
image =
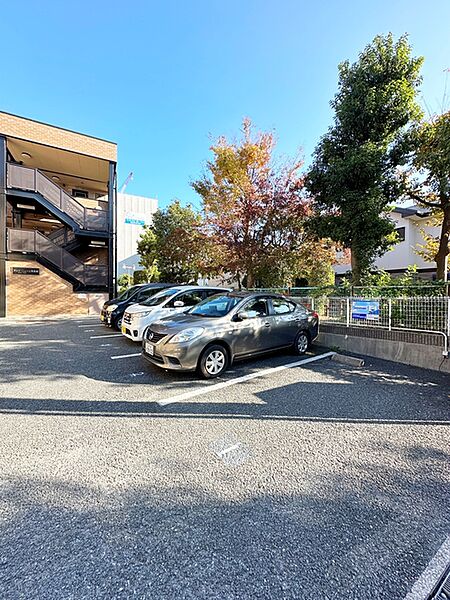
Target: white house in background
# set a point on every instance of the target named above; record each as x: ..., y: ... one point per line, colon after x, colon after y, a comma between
x: 133, y: 212
x: 408, y: 224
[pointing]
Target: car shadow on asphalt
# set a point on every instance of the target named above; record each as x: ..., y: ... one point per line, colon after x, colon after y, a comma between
x: 61, y: 351
x: 383, y: 395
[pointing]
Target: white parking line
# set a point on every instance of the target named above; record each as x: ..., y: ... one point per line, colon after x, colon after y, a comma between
x: 124, y: 356
x: 96, y: 337
x: 89, y: 325
x: 225, y: 384
x: 436, y: 567
x: 86, y: 320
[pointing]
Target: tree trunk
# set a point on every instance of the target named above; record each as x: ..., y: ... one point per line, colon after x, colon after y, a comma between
x: 250, y: 279
x: 443, y: 252
x: 356, y: 268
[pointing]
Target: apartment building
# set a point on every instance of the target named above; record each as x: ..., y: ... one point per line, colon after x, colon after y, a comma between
x: 133, y: 213
x: 409, y: 221
x: 57, y: 219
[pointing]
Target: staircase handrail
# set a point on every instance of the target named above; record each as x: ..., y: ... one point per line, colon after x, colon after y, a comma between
x: 78, y: 208
x: 58, y: 256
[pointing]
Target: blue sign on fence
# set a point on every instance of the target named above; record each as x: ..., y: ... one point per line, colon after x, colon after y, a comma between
x: 366, y: 310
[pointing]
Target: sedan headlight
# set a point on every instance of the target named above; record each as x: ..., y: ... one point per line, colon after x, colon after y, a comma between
x: 187, y: 335
x: 111, y: 307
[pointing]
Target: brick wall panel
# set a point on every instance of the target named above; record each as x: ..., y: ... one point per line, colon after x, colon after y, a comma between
x: 45, y: 295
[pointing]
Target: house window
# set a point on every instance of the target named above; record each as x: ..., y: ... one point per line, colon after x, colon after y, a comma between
x: 80, y: 194
x: 400, y: 231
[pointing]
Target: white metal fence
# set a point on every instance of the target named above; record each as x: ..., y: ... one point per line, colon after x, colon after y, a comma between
x: 430, y: 314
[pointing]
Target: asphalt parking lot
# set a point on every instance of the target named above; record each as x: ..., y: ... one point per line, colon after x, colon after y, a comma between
x: 119, y: 480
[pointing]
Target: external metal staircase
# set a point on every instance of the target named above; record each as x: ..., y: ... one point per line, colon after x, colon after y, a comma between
x: 28, y: 182
x: 65, y: 238
x: 55, y: 256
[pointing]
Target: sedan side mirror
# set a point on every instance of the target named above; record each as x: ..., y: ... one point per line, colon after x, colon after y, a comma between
x: 178, y: 303
x: 242, y: 316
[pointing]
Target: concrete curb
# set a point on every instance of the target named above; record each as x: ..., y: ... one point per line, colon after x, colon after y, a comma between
x: 408, y: 353
x: 352, y: 361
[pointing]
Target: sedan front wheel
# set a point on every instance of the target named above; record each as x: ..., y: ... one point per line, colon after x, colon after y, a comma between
x: 213, y: 362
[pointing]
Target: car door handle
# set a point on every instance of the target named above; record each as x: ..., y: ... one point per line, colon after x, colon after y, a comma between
x: 266, y: 324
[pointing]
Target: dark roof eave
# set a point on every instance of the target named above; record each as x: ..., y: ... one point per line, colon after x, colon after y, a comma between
x: 411, y: 212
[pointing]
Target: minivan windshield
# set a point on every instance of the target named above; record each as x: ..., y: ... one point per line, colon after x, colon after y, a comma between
x: 216, y: 306
x: 159, y: 297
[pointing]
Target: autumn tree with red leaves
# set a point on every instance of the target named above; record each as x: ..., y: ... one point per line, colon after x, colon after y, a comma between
x: 255, y: 209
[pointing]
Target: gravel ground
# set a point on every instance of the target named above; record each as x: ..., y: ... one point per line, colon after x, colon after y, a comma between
x: 320, y: 481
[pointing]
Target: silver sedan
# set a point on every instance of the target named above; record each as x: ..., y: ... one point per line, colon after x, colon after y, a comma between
x: 228, y: 327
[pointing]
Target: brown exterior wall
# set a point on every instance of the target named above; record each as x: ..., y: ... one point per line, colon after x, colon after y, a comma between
x: 33, y: 131
x: 46, y: 294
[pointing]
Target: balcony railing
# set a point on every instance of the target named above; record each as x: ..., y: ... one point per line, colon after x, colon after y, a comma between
x: 32, y: 241
x: 33, y: 180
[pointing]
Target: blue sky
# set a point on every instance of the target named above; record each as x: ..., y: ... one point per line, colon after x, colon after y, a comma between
x: 161, y: 78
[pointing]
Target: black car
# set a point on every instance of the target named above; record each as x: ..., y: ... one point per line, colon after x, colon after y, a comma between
x: 113, y: 310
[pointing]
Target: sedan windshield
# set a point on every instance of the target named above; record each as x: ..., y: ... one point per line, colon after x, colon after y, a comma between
x: 159, y: 297
x: 216, y: 306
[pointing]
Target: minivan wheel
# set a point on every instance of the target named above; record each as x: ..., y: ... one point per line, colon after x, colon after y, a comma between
x: 213, y: 362
x: 118, y: 324
x: 301, y: 343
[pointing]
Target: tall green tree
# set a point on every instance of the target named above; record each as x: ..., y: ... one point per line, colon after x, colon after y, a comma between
x: 431, y: 186
x: 356, y: 171
x: 174, y: 244
x: 147, y: 248
x: 255, y: 208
